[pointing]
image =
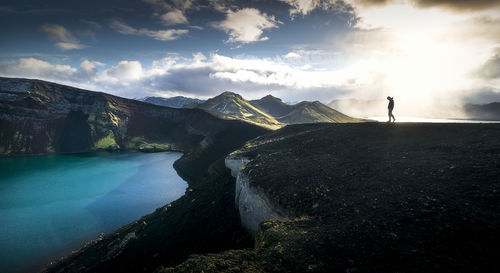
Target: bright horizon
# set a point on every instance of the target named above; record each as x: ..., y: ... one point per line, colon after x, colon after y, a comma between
x: 422, y: 52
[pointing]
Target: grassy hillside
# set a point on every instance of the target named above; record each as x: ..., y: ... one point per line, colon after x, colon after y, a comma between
x: 233, y: 106
x: 271, y: 112
x: 313, y: 112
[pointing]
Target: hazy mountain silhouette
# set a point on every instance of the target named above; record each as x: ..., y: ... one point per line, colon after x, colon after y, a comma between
x: 369, y: 108
x: 490, y: 111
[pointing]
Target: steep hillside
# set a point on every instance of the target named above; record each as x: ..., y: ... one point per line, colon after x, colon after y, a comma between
x: 303, y: 112
x: 313, y: 112
x: 272, y: 106
x: 271, y: 112
x: 173, y: 102
x: 38, y: 117
x: 233, y: 106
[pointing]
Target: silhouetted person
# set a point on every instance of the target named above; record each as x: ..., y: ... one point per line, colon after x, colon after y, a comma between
x: 390, y: 107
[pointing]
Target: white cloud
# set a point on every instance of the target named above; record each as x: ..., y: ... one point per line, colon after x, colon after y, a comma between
x: 304, y: 7
x: 301, y: 6
x: 35, y: 68
x: 88, y: 69
x: 409, y: 78
x: 174, y: 17
x: 197, y: 76
x: 63, y: 37
x: 69, y: 46
x: 124, y: 72
x: 292, y: 55
x: 162, y: 35
x: 420, y: 56
x: 246, y: 25
x: 172, y: 12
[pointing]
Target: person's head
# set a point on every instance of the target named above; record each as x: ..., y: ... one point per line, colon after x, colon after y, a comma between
x: 389, y: 98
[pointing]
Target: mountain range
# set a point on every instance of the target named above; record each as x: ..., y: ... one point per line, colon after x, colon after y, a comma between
x: 271, y: 112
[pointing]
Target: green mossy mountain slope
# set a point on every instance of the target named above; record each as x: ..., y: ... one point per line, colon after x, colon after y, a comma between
x: 271, y: 112
x: 38, y: 117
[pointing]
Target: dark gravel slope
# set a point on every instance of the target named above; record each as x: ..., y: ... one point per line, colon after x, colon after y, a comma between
x: 373, y: 197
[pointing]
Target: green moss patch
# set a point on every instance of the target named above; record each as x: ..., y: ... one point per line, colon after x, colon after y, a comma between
x: 107, y: 143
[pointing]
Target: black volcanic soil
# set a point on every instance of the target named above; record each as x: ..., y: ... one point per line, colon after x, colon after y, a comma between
x: 373, y: 197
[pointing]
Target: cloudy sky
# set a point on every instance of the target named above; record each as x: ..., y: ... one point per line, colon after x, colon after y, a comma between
x: 415, y: 50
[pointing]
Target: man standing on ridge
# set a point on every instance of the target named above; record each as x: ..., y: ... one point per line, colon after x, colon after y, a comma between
x: 390, y: 107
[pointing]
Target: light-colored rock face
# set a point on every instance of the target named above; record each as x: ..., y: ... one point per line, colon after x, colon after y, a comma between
x: 253, y: 205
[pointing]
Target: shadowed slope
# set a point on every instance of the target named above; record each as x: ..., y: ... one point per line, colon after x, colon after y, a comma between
x: 371, y: 197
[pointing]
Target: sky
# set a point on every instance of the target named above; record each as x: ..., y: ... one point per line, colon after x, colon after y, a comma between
x: 419, y: 51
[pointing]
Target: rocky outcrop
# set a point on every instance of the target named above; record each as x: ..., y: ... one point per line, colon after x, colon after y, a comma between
x: 253, y: 205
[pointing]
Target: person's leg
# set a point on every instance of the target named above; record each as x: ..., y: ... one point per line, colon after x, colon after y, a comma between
x: 393, y: 118
x: 389, y: 114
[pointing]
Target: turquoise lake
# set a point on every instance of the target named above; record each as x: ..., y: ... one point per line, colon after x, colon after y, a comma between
x: 51, y: 205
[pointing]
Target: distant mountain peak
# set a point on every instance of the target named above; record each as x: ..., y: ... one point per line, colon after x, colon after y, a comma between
x: 270, y: 111
x: 271, y: 97
x: 229, y: 94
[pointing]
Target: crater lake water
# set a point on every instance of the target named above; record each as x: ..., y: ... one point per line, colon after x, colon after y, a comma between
x: 51, y: 205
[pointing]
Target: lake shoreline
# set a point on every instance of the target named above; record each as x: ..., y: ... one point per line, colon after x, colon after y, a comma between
x: 79, y: 196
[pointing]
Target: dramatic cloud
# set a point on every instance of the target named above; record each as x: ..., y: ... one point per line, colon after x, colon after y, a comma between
x: 453, y: 5
x: 491, y: 69
x: 205, y: 76
x: 196, y: 76
x: 246, y: 25
x: 172, y: 12
x: 124, y: 71
x: 174, y: 17
x: 304, y: 7
x: 301, y: 6
x: 162, y: 35
x: 63, y: 37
